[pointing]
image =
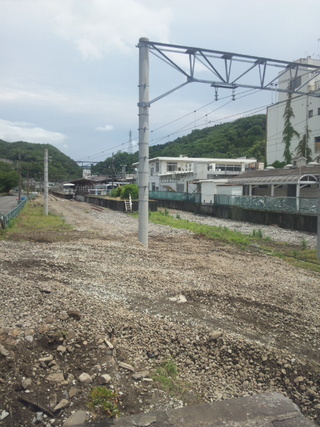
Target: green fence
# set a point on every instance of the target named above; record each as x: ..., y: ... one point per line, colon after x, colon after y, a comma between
x: 276, y: 204
x: 172, y: 195
x: 5, y: 219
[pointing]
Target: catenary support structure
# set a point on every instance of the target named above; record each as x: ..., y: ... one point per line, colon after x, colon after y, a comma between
x: 225, y: 70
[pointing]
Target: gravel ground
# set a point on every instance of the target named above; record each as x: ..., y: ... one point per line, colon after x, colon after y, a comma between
x: 94, y: 301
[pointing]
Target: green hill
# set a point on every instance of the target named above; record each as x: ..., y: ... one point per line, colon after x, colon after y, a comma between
x: 243, y: 137
x: 61, y: 167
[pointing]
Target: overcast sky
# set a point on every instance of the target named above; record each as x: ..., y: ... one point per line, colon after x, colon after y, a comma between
x: 69, y: 68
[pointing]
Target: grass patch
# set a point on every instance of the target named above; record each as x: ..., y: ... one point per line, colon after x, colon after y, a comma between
x: 167, y: 378
x: 33, y: 221
x: 220, y: 233
x: 104, y: 402
x: 299, y: 256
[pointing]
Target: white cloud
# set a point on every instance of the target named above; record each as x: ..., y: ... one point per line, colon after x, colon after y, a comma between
x: 98, y: 27
x: 105, y: 128
x: 23, y: 131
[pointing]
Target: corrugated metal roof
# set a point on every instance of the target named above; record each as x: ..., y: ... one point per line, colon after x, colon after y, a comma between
x: 305, y: 174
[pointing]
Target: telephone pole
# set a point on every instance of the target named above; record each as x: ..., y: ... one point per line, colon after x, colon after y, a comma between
x: 45, y: 183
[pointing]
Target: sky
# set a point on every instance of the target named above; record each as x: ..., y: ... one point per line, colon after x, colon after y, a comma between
x: 69, y: 70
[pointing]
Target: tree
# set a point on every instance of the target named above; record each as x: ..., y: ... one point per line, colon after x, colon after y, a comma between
x: 303, y: 148
x: 8, y: 178
x: 132, y: 189
x: 288, y: 131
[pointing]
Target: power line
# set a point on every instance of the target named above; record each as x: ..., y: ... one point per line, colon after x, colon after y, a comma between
x: 190, y: 125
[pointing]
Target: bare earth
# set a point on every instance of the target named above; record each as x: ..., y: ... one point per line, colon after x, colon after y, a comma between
x: 235, y: 322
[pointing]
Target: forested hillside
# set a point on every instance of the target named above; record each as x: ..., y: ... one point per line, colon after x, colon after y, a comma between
x: 243, y: 137
x: 61, y: 167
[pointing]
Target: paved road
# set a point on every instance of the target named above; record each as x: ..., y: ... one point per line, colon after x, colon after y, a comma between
x: 7, y: 204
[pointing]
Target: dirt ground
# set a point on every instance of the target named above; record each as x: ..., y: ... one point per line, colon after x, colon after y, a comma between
x: 94, y: 301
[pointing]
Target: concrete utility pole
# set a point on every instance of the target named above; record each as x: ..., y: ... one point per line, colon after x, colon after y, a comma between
x: 19, y: 169
x: 143, y: 175
x: 318, y: 222
x: 45, y: 183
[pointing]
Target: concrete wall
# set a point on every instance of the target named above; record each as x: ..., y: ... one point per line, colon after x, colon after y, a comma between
x: 116, y: 205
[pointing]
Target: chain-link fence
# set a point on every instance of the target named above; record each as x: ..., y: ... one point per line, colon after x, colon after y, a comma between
x: 276, y: 204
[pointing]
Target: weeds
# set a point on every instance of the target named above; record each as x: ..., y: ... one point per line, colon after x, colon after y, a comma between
x: 166, y: 376
x: 257, y: 233
x: 304, y: 245
x: 104, y: 402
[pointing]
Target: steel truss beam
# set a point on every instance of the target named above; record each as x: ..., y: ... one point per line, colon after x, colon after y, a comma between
x: 224, y: 69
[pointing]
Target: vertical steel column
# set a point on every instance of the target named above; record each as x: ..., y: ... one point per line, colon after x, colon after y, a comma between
x: 45, y: 182
x: 143, y: 175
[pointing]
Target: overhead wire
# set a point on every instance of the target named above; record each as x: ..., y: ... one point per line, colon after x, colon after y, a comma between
x: 190, y: 125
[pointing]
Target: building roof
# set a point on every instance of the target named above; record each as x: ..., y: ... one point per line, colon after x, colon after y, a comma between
x: 305, y: 174
x: 204, y: 160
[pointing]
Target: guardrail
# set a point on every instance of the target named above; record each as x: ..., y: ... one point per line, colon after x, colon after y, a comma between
x: 5, y: 219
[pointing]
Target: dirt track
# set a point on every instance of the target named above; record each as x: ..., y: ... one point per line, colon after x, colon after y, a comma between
x: 235, y: 322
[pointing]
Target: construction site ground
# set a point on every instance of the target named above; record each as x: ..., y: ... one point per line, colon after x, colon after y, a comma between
x: 91, y: 307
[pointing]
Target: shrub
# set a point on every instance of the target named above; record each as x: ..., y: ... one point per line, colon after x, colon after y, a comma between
x: 116, y: 191
x: 132, y: 189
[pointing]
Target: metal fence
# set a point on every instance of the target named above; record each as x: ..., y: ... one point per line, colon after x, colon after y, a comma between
x: 275, y: 204
x: 172, y: 195
x: 5, y: 219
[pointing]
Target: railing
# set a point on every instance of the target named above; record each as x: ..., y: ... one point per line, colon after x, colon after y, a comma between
x: 172, y: 195
x: 275, y: 204
x: 5, y: 219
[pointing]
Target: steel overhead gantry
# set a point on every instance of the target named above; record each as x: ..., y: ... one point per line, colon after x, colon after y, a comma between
x: 222, y: 70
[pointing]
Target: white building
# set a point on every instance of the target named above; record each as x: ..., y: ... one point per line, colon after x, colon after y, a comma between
x: 183, y: 174
x: 306, y: 109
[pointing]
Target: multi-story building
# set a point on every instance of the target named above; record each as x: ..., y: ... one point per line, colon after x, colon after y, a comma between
x: 306, y: 110
x: 178, y: 174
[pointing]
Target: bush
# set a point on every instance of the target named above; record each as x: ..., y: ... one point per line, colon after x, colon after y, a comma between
x: 116, y: 192
x: 129, y: 189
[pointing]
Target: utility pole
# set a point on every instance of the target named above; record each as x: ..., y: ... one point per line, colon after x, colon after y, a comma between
x: 143, y: 175
x: 19, y: 193
x: 318, y: 222
x: 45, y: 183
x: 112, y: 172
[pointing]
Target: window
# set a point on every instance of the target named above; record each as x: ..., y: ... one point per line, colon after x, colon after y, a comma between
x: 157, y: 167
x: 310, y: 113
x: 319, y: 111
x: 171, y: 167
x: 317, y: 144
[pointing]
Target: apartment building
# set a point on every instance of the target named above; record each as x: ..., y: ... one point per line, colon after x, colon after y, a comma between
x: 306, y: 110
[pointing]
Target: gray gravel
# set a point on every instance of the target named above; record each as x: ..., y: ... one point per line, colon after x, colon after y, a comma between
x: 235, y: 322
